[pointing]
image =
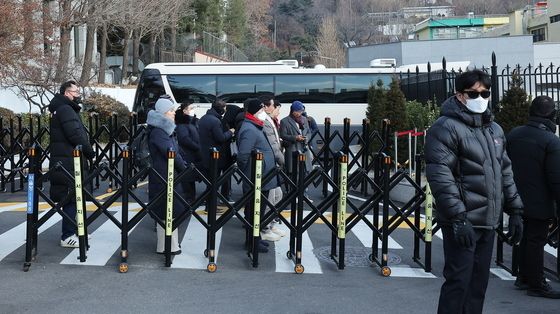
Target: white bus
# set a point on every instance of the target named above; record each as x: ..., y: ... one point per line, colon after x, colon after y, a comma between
x: 335, y: 93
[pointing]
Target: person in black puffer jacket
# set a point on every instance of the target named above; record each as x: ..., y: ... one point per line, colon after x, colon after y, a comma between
x: 470, y: 175
x: 189, y: 143
x: 67, y: 132
x: 535, y: 157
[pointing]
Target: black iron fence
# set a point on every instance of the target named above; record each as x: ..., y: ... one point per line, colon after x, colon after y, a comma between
x: 437, y: 85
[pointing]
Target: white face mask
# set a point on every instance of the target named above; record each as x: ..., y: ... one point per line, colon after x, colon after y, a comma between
x: 262, y: 115
x: 190, y: 113
x: 477, y: 105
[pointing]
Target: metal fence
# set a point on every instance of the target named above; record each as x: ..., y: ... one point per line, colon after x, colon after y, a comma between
x: 440, y: 84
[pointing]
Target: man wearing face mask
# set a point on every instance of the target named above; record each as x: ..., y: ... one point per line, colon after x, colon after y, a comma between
x: 66, y: 132
x: 535, y: 155
x: 471, y: 178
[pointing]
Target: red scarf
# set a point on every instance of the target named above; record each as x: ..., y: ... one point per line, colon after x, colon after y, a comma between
x: 254, y: 119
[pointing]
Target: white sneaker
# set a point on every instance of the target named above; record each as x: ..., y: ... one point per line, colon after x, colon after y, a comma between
x: 71, y: 242
x: 269, y: 236
x: 278, y: 231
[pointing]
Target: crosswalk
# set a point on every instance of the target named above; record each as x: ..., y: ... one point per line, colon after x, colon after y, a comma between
x: 105, y: 245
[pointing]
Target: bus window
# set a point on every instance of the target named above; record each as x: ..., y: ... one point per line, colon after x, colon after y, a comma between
x: 149, y: 89
x: 237, y: 88
x: 353, y: 88
x: 198, y: 88
x: 306, y: 88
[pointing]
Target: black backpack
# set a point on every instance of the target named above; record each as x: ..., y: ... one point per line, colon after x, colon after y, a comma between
x: 141, y: 150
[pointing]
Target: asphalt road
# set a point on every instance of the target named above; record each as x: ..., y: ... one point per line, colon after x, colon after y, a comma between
x: 58, y: 283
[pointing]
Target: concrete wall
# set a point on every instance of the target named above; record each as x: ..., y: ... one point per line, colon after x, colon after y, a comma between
x: 509, y: 50
x: 546, y: 53
x: 359, y: 57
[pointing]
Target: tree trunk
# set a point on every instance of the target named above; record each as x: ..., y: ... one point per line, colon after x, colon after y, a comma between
x: 28, y: 25
x: 127, y: 35
x: 64, y: 54
x: 135, y: 52
x: 152, y: 49
x: 174, y: 34
x: 102, y: 55
x: 90, y: 38
x: 47, y: 29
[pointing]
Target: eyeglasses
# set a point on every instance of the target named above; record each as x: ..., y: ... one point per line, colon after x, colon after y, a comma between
x: 77, y: 91
x: 474, y: 94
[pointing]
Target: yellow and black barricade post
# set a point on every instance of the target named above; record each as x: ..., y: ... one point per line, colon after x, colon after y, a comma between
x: 212, y: 211
x: 385, y: 270
x: 257, y: 189
x: 339, y: 211
x: 326, y: 153
x: 169, y: 205
x: 123, y: 266
x: 298, y: 268
x: 341, y: 217
x: 428, y: 227
x: 32, y: 208
x: 80, y: 203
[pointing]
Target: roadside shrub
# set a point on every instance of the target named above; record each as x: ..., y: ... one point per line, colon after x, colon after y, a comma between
x: 105, y: 106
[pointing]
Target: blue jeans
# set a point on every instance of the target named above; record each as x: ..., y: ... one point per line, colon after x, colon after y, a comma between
x: 69, y: 228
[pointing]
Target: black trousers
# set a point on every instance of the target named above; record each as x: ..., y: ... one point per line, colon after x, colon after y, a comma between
x: 535, y: 232
x: 466, y: 272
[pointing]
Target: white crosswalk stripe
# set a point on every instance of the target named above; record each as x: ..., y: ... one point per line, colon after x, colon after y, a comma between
x: 193, y: 246
x: 12, y: 239
x: 284, y: 265
x: 105, y: 243
x: 102, y: 243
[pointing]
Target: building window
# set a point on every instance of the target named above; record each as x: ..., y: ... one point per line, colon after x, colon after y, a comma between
x: 555, y: 18
x: 538, y: 34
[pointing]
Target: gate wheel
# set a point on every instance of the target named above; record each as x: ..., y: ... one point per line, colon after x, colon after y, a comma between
x: 370, y: 257
x: 211, y: 267
x: 123, y: 268
x: 205, y: 252
x: 289, y: 255
x: 386, y: 271
x: 299, y: 269
x: 109, y: 190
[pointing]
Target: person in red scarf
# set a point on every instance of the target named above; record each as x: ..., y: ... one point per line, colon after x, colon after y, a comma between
x: 251, y: 137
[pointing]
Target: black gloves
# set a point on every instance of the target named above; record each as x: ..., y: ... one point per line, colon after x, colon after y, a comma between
x: 463, y: 231
x: 515, y: 229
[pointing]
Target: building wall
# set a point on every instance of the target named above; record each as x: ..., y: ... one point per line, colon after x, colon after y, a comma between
x: 509, y: 50
x: 554, y: 28
x: 359, y: 57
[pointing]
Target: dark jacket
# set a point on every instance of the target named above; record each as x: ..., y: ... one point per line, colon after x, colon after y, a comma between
x: 67, y: 131
x: 251, y: 137
x: 187, y: 136
x: 212, y: 134
x: 468, y: 168
x: 163, y: 137
x: 535, y: 156
x: 289, y: 129
x: 229, y: 122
